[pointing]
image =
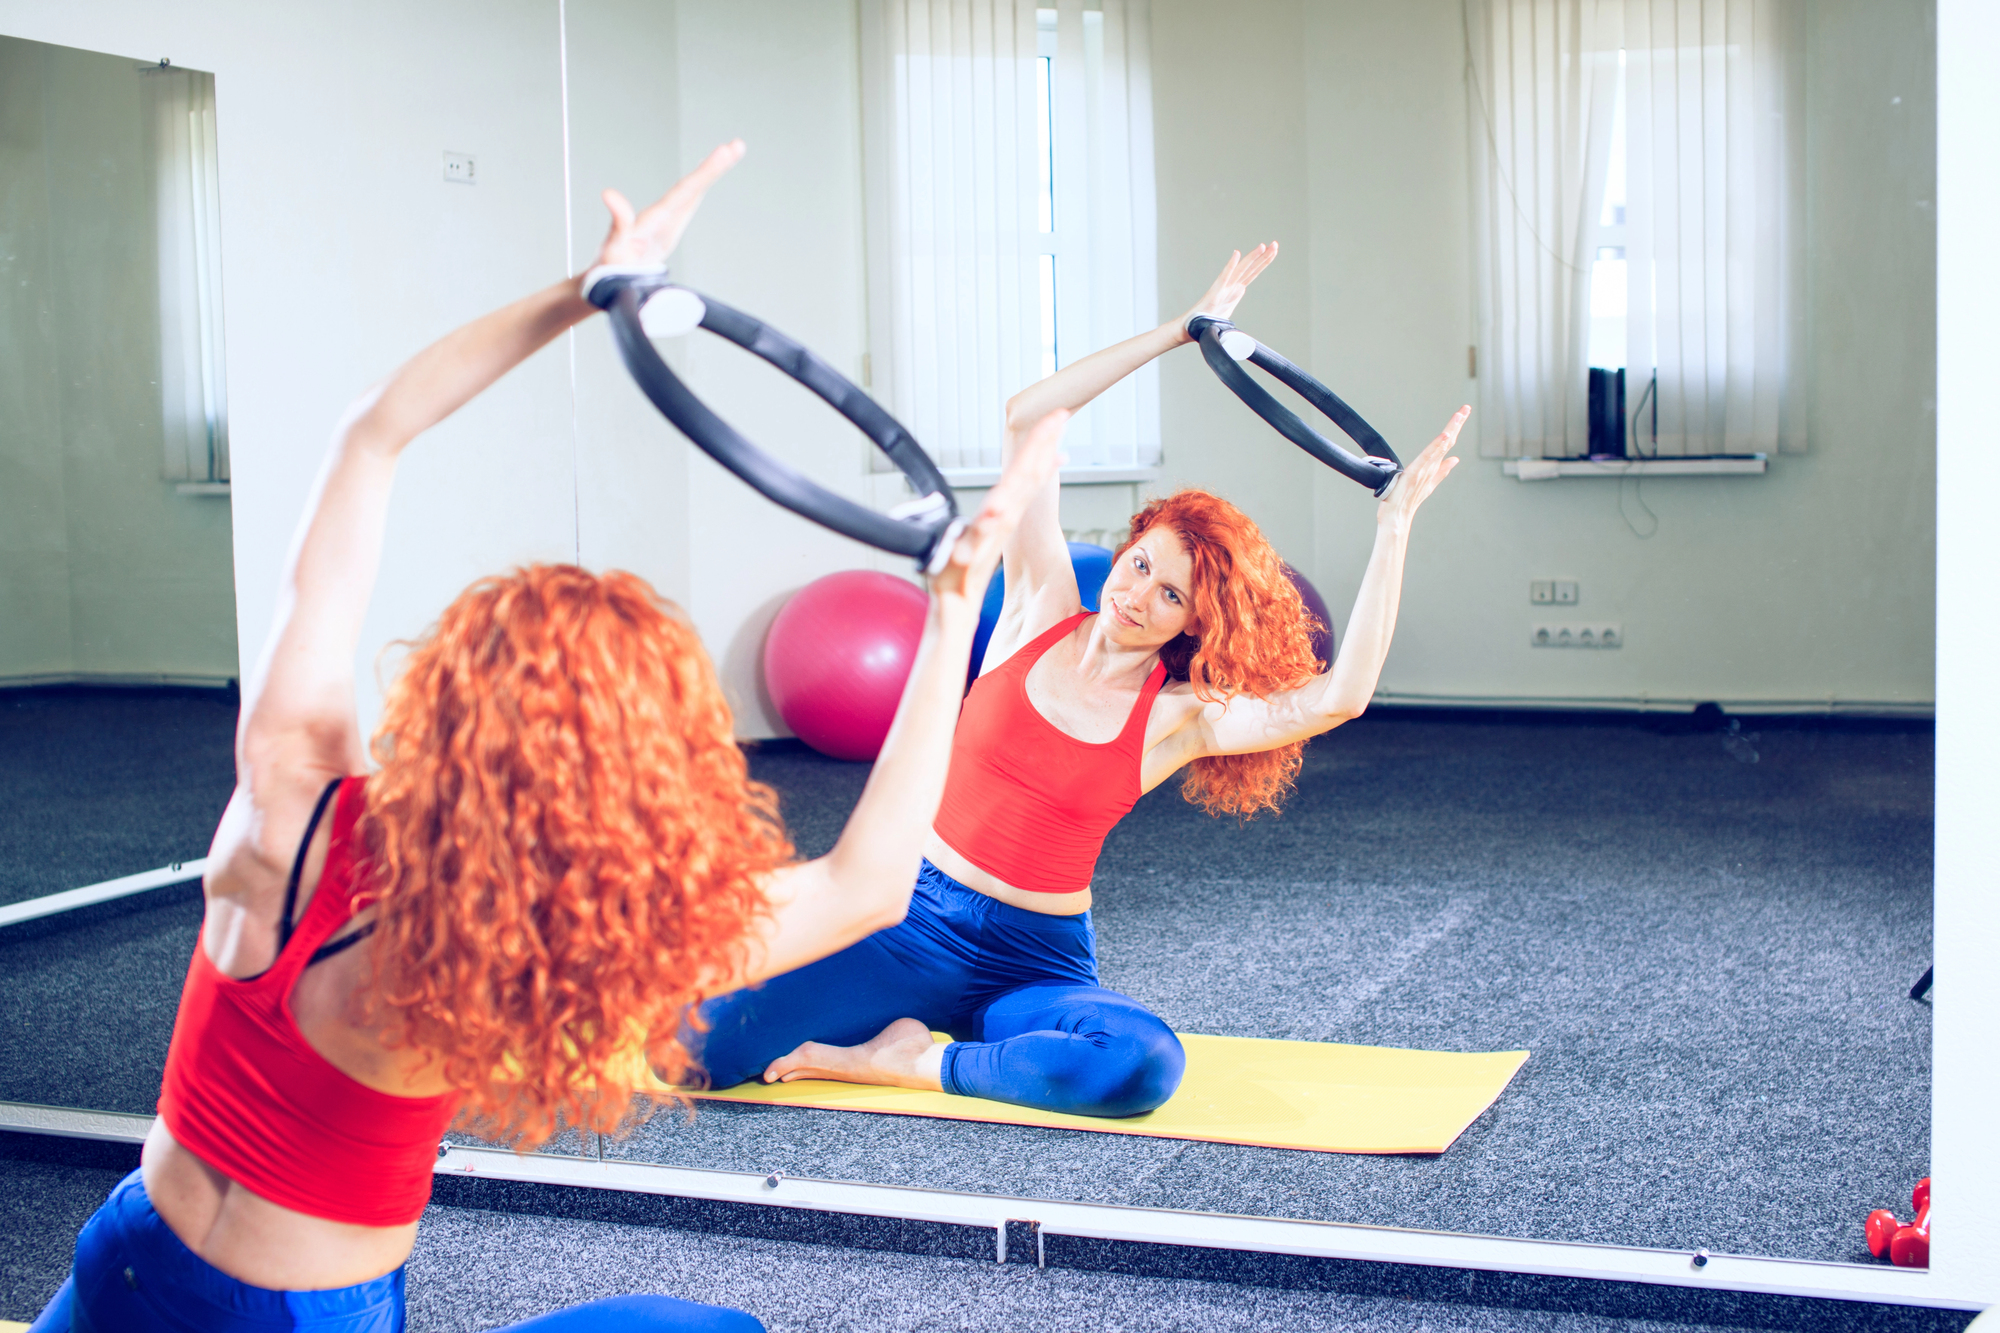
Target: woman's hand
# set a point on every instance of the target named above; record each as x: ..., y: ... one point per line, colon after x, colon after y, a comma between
x: 1033, y: 461
x: 649, y: 237
x: 1422, y: 476
x: 1229, y: 287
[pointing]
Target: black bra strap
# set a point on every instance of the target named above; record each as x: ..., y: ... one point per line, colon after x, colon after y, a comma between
x: 341, y: 945
x: 299, y: 865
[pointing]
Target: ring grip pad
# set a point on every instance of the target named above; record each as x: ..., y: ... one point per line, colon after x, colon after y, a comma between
x: 925, y: 536
x: 1377, y: 468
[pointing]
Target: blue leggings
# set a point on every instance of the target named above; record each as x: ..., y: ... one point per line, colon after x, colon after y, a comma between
x: 1017, y: 991
x: 133, y: 1275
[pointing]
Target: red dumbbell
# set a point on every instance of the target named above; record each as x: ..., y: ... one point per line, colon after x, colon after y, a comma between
x: 1904, y: 1245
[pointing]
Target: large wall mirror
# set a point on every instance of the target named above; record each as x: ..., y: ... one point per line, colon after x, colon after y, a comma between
x: 1646, y: 791
x: 1686, y: 866
x: 119, y: 653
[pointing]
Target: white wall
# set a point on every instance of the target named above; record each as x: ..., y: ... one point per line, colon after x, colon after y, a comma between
x: 1338, y: 128
x: 1230, y: 153
x: 1342, y: 133
x: 1965, y: 1151
x: 653, y: 89
x: 1806, y: 587
x: 105, y: 572
x: 782, y: 238
x: 344, y: 251
x: 624, y: 126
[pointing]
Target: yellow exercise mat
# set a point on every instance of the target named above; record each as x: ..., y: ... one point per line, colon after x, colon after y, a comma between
x: 1313, y: 1095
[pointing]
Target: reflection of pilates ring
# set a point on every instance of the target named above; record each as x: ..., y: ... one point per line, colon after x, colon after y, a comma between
x: 643, y: 305
x: 1223, y: 346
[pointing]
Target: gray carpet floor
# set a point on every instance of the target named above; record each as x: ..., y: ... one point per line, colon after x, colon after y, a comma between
x: 1707, y: 955
x: 1703, y: 938
x: 99, y: 783
x: 468, y: 1273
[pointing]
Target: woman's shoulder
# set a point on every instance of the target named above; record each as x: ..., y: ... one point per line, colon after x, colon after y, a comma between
x: 1174, y: 707
x: 1029, y: 625
x: 261, y: 837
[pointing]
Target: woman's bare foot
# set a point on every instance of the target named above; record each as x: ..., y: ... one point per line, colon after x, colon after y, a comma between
x: 901, y: 1055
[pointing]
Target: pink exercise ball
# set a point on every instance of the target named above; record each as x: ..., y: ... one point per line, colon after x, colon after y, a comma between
x: 837, y: 656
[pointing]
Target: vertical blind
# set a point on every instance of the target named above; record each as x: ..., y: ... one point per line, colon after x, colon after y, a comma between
x: 1712, y: 230
x: 1542, y: 98
x: 1715, y: 141
x: 1010, y: 214
x: 189, y: 208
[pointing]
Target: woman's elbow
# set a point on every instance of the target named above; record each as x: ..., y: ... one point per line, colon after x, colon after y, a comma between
x: 1341, y: 714
x: 1024, y: 409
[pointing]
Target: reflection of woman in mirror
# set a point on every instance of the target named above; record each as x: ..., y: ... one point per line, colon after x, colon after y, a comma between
x: 560, y: 851
x: 1199, y: 663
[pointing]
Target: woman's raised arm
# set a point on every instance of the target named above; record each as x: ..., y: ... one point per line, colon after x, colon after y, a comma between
x: 1246, y: 724
x: 1041, y: 583
x: 299, y: 728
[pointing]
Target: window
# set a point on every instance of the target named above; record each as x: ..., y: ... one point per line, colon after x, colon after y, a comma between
x: 1607, y: 268
x: 1639, y: 177
x: 1010, y: 217
x: 188, y: 203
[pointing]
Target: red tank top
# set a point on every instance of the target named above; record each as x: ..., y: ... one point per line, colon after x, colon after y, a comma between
x: 246, y: 1093
x: 1027, y: 801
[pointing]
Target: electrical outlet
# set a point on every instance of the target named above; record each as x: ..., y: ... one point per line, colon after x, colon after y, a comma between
x: 1565, y: 592
x: 458, y: 168
x: 1542, y: 592
x: 1577, y: 634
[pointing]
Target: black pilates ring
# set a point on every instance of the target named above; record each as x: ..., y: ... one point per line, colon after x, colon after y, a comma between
x: 1376, y: 468
x: 923, y: 529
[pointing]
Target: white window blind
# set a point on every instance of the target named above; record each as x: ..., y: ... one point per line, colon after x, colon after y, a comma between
x: 1689, y: 112
x: 1011, y: 215
x: 189, y: 208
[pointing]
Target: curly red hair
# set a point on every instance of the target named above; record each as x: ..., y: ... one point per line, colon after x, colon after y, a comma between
x: 567, y: 846
x: 1254, y: 636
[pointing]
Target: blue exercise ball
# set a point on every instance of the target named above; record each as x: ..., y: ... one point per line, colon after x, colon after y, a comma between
x: 1092, y: 565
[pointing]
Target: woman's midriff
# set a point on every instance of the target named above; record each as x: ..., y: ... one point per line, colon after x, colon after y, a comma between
x: 254, y: 1240
x: 947, y: 858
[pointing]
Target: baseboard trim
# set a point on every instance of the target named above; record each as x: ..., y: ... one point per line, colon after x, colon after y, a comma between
x: 1901, y: 709
x: 118, y: 680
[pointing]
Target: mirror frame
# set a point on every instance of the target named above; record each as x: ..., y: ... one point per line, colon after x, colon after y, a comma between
x: 1966, y: 1079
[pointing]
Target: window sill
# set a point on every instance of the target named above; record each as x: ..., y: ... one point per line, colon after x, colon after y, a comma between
x: 1548, y: 469
x: 971, y: 478
x: 201, y: 488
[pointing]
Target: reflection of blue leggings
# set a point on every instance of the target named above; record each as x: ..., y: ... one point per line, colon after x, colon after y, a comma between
x: 132, y: 1273
x: 1017, y: 990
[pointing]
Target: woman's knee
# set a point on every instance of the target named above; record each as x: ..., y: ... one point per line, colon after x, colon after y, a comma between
x: 1140, y: 1067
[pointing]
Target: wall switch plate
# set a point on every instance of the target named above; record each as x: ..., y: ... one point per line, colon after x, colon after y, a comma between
x: 1542, y: 592
x: 458, y: 168
x: 1566, y: 592
x: 1577, y: 634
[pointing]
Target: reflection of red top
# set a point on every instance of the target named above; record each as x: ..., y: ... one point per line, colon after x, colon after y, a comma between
x: 246, y: 1093
x: 1027, y: 801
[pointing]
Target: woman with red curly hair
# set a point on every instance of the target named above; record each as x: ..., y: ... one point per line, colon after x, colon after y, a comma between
x: 1199, y: 663
x: 560, y: 851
